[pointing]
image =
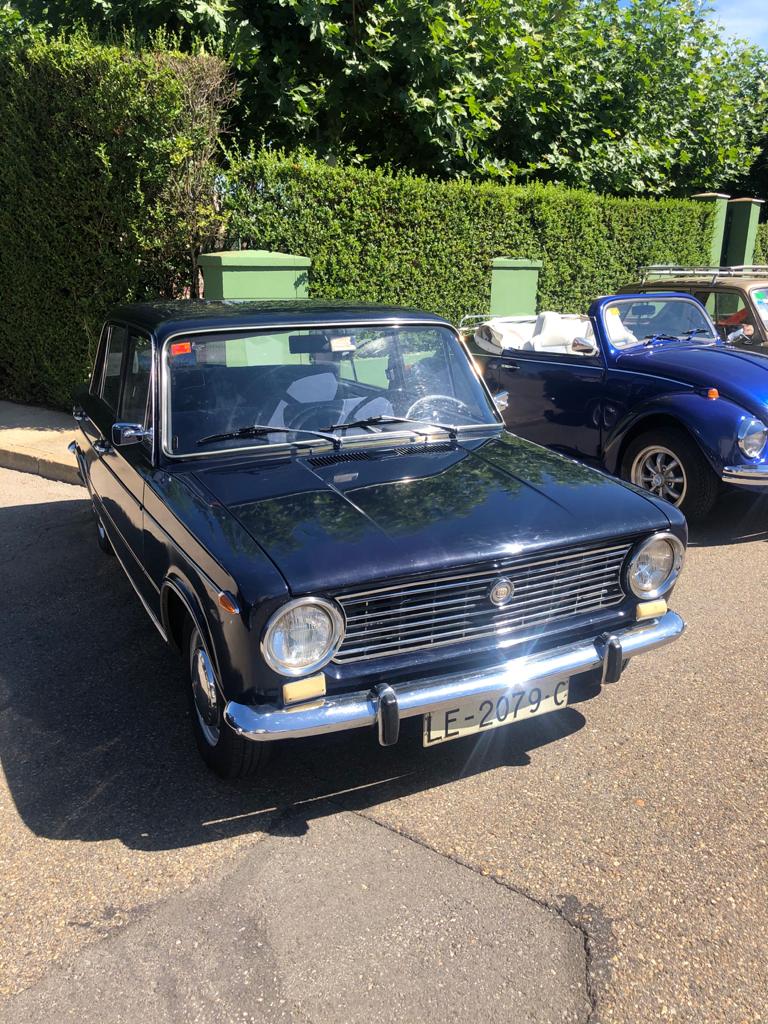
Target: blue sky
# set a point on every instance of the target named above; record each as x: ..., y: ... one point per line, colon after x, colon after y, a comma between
x: 745, y: 18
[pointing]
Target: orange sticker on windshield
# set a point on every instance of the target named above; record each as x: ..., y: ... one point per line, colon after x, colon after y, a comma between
x: 181, y: 348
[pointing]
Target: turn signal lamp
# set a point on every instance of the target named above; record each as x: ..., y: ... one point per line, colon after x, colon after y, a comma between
x: 304, y: 689
x: 713, y: 393
x: 652, y: 609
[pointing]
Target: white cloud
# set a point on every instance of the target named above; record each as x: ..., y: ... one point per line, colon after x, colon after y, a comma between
x: 747, y: 19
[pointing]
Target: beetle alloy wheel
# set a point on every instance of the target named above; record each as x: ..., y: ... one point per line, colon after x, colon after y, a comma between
x: 660, y: 471
x: 204, y: 693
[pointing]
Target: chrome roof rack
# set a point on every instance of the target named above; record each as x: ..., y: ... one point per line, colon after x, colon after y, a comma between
x: 662, y: 270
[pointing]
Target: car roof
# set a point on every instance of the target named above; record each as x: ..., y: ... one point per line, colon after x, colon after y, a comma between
x: 173, y: 317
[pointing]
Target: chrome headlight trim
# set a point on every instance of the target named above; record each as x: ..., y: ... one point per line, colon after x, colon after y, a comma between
x: 748, y: 428
x: 678, y: 551
x: 338, y: 626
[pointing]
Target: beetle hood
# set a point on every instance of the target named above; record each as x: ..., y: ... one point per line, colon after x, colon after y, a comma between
x: 738, y: 375
x: 335, y: 520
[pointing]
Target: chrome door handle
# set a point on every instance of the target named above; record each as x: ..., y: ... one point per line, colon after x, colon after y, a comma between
x: 512, y: 367
x: 102, y: 446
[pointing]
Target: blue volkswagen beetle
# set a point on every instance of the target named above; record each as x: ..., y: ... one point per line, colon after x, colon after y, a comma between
x: 642, y: 386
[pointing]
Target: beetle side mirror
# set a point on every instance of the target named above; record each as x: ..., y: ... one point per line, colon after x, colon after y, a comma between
x: 584, y: 347
x: 128, y: 433
x: 501, y: 400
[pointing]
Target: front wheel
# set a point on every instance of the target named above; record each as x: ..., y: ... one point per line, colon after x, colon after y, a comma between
x: 228, y: 754
x: 668, y: 463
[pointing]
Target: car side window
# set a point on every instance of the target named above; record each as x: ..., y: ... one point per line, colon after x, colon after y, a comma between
x: 113, y: 365
x: 731, y: 312
x: 138, y: 374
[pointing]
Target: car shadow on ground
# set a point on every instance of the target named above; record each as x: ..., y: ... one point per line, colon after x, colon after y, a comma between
x: 95, y: 740
x: 738, y: 517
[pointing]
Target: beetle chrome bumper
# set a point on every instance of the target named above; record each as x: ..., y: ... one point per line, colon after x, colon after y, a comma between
x: 385, y: 705
x: 747, y: 476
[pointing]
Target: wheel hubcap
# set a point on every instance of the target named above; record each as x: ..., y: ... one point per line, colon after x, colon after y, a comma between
x: 205, y: 696
x: 659, y: 471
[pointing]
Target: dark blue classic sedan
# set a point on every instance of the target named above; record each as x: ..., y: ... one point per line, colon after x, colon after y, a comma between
x: 318, y: 506
x: 643, y: 386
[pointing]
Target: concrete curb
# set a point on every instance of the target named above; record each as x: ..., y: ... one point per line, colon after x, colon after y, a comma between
x: 27, y: 461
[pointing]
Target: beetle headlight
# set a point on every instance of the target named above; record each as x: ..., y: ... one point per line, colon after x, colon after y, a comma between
x: 752, y: 437
x: 302, y: 636
x: 655, y: 565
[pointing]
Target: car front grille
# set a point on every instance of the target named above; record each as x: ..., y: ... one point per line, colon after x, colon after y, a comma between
x: 449, y: 609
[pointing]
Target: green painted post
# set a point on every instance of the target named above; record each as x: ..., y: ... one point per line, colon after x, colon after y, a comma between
x: 254, y: 274
x: 720, y: 202
x: 741, y: 232
x: 514, y: 286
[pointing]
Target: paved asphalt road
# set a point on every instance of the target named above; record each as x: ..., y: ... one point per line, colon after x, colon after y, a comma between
x: 608, y: 863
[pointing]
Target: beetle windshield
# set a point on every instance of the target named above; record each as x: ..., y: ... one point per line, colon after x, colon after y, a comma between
x: 345, y: 382
x: 654, y: 319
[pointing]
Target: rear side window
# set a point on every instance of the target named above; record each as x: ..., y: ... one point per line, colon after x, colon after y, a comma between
x: 137, y: 378
x: 113, y: 364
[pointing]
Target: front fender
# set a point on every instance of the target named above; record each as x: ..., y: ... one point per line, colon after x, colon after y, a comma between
x: 713, y: 424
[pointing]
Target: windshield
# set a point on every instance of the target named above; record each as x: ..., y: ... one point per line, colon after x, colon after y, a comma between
x: 301, y: 383
x: 653, y: 319
x: 760, y: 299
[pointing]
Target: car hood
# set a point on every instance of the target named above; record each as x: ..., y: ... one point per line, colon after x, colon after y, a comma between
x: 738, y: 375
x: 333, y: 521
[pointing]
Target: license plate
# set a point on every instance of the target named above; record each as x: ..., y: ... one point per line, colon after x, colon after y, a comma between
x: 473, y: 715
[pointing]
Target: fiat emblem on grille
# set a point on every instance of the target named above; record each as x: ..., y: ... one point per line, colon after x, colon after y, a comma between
x: 502, y: 591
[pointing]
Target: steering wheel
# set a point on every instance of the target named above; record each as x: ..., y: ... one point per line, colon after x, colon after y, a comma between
x: 429, y: 402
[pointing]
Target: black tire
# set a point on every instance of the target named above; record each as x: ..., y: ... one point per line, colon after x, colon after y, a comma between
x: 102, y: 539
x: 701, y: 485
x: 227, y: 754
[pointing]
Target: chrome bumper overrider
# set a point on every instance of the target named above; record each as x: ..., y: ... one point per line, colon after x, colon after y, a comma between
x: 385, y: 705
x: 746, y: 476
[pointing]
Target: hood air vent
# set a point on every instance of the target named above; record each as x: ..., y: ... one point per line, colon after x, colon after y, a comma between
x: 358, y: 456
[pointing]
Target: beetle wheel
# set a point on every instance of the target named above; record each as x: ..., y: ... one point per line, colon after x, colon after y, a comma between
x: 669, y: 464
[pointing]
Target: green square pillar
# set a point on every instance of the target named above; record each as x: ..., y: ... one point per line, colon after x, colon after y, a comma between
x: 514, y: 286
x: 741, y: 232
x: 720, y: 203
x: 254, y: 274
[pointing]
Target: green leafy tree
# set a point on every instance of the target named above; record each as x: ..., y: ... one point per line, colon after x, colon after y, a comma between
x: 631, y: 98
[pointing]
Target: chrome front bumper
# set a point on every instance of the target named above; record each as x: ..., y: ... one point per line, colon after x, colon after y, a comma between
x: 385, y: 705
x: 747, y: 476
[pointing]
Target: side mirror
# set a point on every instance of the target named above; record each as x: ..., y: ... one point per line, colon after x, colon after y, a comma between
x: 128, y: 433
x: 501, y: 400
x: 584, y: 347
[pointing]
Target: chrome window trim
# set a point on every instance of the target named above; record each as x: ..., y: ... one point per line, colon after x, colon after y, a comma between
x: 309, y: 444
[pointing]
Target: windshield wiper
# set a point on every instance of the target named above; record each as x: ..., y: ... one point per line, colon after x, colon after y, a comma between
x: 684, y: 336
x: 258, y: 430
x: 651, y: 339
x: 697, y: 330
x: 372, y: 421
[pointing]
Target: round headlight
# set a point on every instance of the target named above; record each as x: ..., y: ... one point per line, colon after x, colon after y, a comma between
x: 752, y: 437
x: 655, y: 565
x: 302, y: 636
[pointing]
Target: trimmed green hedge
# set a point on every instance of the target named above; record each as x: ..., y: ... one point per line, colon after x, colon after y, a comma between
x: 95, y: 145
x: 381, y: 237
x: 761, y: 244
